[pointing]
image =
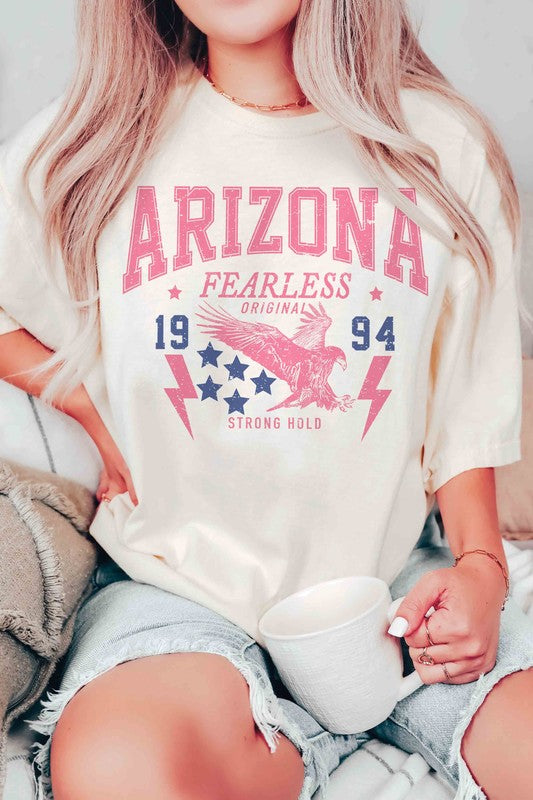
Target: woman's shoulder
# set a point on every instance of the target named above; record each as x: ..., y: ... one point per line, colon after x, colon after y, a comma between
x: 16, y: 148
x: 452, y: 132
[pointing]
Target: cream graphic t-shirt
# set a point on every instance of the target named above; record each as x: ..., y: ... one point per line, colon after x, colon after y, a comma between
x: 284, y: 359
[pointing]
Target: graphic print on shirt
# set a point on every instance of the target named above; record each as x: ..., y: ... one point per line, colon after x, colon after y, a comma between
x: 300, y: 354
x: 303, y: 361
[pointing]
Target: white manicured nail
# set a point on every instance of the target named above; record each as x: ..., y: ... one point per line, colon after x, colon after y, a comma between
x: 398, y: 626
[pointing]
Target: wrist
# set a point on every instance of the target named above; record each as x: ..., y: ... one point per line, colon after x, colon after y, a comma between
x: 488, y: 568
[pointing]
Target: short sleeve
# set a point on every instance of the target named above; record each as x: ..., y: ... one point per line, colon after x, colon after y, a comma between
x: 29, y: 297
x: 18, y: 271
x: 474, y: 409
x: 7, y: 323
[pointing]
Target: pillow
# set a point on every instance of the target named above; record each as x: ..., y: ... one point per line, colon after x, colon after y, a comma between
x: 42, y: 437
x: 47, y: 562
x: 514, y: 484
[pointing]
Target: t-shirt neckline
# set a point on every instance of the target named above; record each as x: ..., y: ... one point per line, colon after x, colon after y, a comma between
x: 259, y: 123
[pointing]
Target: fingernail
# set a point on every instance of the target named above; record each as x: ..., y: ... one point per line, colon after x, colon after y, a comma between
x: 430, y: 611
x: 398, y: 626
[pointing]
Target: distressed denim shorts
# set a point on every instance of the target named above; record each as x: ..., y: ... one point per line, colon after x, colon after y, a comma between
x: 123, y: 619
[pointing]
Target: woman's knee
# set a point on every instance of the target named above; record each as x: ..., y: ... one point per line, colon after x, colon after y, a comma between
x: 111, y: 742
x: 498, y: 743
x: 170, y: 727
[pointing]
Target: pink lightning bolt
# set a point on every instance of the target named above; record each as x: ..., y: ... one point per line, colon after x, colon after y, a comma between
x: 185, y: 388
x: 370, y: 391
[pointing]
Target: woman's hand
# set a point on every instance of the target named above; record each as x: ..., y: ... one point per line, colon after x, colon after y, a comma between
x: 465, y: 624
x: 115, y: 478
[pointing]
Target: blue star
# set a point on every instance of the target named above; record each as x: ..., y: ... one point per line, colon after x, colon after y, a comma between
x: 263, y: 382
x: 209, y: 355
x: 209, y: 388
x: 236, y: 402
x: 236, y: 369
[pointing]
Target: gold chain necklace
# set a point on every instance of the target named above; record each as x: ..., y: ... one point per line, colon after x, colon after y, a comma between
x: 301, y: 103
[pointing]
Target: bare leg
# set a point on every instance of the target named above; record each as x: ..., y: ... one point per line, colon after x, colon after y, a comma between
x: 169, y: 727
x: 498, y: 744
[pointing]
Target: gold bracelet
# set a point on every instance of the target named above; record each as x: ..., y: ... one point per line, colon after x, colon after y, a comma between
x: 494, y: 558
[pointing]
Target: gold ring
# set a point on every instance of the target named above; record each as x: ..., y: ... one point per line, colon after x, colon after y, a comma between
x: 444, y: 667
x: 430, y: 640
x: 425, y: 658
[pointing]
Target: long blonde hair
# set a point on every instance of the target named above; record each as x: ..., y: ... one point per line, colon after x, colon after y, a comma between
x: 351, y: 58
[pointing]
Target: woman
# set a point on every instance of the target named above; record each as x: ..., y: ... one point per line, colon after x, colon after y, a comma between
x: 271, y: 251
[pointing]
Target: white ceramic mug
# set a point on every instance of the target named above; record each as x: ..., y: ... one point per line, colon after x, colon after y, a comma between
x: 330, y: 645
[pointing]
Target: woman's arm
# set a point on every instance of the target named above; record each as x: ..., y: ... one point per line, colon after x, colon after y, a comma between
x: 468, y: 508
x: 19, y: 350
x: 468, y: 598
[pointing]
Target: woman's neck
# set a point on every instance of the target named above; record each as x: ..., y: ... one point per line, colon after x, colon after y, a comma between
x: 260, y: 72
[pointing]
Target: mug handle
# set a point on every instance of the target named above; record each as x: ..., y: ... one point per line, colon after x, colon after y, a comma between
x: 409, y: 683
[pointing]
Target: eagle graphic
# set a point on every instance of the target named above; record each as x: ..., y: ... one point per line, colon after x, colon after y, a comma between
x: 304, y: 361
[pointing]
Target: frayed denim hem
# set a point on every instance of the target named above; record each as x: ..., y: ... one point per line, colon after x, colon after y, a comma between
x: 468, y: 789
x: 266, y: 710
